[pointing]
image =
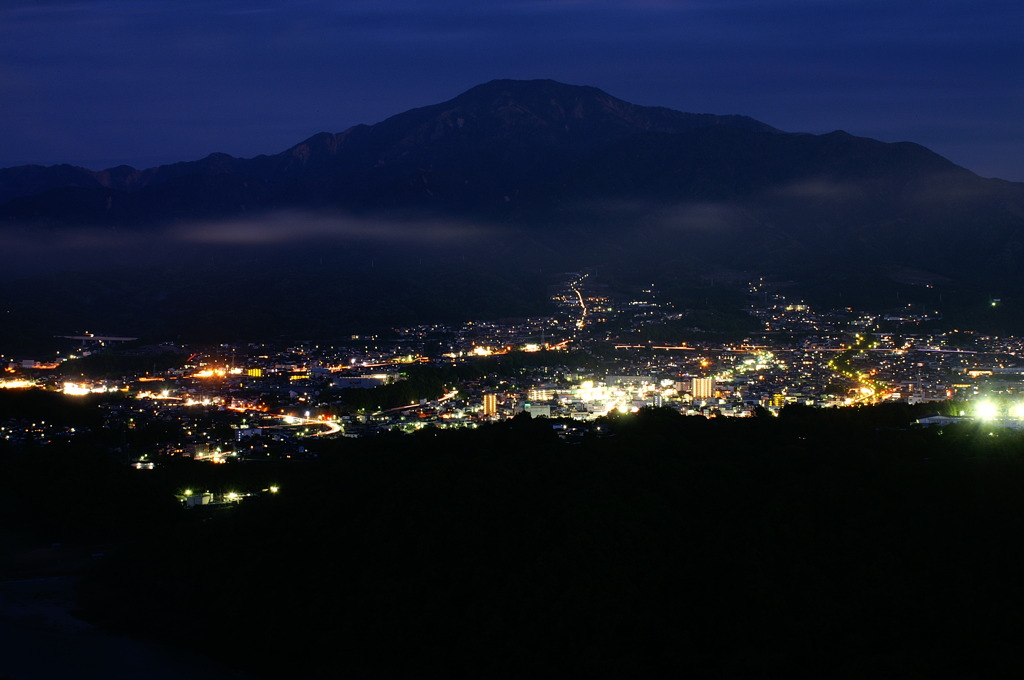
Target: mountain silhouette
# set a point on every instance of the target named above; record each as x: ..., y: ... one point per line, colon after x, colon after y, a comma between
x: 572, y: 176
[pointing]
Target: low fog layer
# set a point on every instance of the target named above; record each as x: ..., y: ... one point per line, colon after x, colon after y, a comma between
x: 51, y: 251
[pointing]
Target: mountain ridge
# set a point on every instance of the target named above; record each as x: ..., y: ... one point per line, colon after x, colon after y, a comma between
x: 28, y: 180
x: 578, y: 174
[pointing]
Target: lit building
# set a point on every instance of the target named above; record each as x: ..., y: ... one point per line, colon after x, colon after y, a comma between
x: 490, y: 405
x: 538, y: 410
x: 702, y: 388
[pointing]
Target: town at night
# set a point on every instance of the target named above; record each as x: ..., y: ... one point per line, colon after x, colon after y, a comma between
x: 511, y: 340
x: 601, y: 353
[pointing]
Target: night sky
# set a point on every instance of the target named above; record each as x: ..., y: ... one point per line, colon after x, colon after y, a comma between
x: 143, y: 82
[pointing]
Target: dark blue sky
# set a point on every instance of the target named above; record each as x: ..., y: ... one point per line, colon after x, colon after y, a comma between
x: 144, y: 82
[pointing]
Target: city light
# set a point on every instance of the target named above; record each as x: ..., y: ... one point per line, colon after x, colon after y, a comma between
x: 81, y: 389
x: 819, y: 370
x: 986, y: 410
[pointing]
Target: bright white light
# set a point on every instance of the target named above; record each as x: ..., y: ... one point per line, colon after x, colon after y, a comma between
x: 986, y: 410
x: 1018, y: 411
x: 76, y: 390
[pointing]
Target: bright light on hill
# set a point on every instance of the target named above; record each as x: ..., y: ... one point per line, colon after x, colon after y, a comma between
x: 986, y: 410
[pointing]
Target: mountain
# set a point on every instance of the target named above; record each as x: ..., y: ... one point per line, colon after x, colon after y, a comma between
x: 497, y: 138
x: 540, y: 174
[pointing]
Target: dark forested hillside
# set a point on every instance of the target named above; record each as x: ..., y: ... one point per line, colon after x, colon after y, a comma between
x: 841, y: 542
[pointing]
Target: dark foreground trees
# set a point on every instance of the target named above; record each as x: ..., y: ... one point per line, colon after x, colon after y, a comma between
x: 659, y: 545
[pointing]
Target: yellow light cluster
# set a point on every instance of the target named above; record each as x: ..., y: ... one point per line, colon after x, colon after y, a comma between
x: 81, y: 389
x: 16, y: 384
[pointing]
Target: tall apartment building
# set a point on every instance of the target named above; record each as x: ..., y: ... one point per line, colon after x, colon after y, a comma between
x: 702, y: 388
x: 490, y: 405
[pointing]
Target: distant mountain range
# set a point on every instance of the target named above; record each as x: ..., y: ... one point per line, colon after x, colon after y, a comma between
x: 504, y: 138
x: 572, y: 176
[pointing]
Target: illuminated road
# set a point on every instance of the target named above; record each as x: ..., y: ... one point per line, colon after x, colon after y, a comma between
x: 574, y: 286
x: 582, y: 321
x: 430, y: 404
x: 294, y: 421
x: 332, y: 427
x: 871, y: 391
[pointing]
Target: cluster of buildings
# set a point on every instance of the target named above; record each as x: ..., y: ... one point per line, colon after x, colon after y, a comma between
x: 259, y: 401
